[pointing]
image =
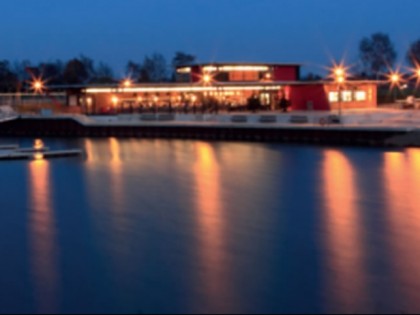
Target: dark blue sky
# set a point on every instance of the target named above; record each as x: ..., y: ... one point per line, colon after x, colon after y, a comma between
x: 308, y: 31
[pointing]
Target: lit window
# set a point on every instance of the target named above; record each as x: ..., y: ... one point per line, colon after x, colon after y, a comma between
x: 333, y: 97
x: 347, y: 96
x: 360, y: 96
x: 184, y: 70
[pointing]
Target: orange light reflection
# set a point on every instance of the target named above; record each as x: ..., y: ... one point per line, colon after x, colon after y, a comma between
x: 211, y: 224
x: 402, y: 181
x: 42, y: 238
x: 345, y: 252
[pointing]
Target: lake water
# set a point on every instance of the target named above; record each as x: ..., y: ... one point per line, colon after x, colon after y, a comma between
x: 143, y: 226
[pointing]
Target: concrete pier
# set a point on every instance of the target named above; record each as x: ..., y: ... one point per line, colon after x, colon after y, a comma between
x: 364, y: 129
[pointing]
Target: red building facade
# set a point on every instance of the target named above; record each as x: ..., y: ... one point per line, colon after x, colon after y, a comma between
x: 231, y: 85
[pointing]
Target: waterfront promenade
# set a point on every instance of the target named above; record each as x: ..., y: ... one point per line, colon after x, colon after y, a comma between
x: 366, y: 127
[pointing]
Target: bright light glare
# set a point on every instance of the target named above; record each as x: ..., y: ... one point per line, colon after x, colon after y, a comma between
x: 339, y: 72
x: 39, y: 144
x: 207, y: 78
x: 127, y: 83
x: 115, y: 100
x: 395, y: 78
x: 341, y: 79
x: 38, y: 85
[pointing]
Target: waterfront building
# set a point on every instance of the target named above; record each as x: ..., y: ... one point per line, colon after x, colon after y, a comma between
x: 225, y: 86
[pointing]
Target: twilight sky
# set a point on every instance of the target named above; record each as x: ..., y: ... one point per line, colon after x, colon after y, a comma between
x: 307, y: 31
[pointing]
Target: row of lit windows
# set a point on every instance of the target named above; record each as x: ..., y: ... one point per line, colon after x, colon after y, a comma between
x: 348, y: 96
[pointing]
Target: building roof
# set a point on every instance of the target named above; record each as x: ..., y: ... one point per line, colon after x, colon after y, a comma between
x: 220, y: 64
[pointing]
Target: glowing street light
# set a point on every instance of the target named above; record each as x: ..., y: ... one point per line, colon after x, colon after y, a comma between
x: 127, y: 83
x: 207, y: 79
x: 115, y: 100
x: 339, y: 74
x: 395, y: 78
x: 38, y: 85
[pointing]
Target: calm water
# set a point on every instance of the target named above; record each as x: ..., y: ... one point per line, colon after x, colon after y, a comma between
x: 180, y: 226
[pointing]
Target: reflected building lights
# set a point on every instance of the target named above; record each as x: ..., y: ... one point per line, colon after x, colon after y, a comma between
x: 116, y: 166
x: 345, y: 251
x: 402, y: 180
x: 210, y: 222
x: 42, y: 238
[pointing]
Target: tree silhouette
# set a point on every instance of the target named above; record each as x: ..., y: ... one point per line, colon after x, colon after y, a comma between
x: 52, y: 72
x: 134, y: 70
x: 103, y: 74
x: 75, y: 72
x: 413, y: 54
x: 154, y: 69
x: 377, y: 54
x: 182, y: 59
x: 8, y: 80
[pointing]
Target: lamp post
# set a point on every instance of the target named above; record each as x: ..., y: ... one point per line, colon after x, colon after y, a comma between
x: 38, y: 87
x: 127, y: 83
x: 395, y: 79
x: 340, y: 79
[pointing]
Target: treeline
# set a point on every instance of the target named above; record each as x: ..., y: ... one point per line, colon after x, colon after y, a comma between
x: 377, y: 57
x: 17, y: 77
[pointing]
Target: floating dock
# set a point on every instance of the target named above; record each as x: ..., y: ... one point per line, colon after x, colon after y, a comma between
x: 16, y: 155
x: 9, y: 147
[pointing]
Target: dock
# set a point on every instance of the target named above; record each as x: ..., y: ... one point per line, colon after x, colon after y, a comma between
x: 8, y: 147
x: 385, y: 128
x: 39, y: 156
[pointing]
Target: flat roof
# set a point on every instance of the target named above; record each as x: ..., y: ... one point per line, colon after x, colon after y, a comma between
x: 236, y: 63
x: 199, y: 87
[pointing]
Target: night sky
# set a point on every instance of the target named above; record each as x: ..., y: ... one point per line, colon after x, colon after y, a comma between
x: 307, y: 31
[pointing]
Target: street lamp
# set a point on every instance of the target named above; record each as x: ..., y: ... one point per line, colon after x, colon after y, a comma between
x: 38, y: 86
x: 395, y: 78
x: 207, y: 79
x: 127, y: 83
x: 340, y: 76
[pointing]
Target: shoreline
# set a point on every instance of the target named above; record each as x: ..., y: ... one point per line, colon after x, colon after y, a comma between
x: 78, y: 126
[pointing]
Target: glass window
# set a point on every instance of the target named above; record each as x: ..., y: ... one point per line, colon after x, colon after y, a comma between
x: 243, y: 76
x: 347, y: 96
x: 333, y: 97
x: 361, y: 96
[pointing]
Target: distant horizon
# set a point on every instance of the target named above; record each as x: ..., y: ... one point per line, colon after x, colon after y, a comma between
x: 311, y: 33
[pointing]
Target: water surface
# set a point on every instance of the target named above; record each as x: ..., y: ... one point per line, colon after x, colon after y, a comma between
x: 161, y: 226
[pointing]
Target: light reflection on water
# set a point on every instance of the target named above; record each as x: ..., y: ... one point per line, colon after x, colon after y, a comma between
x: 345, y: 259
x: 42, y: 236
x: 184, y: 226
x: 402, y: 184
x: 211, y: 226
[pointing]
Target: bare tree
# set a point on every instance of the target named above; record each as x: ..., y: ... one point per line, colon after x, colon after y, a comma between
x: 413, y: 54
x: 377, y: 54
x: 154, y: 69
x: 103, y: 74
x: 133, y: 70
